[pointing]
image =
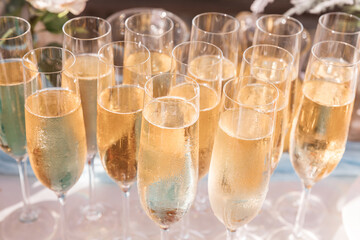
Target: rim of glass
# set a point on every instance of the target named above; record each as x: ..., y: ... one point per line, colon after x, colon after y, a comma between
x: 334, y: 63
x: 102, y: 59
x: 21, y: 20
x: 273, y: 102
x: 220, y: 14
x: 118, y: 86
x: 145, y: 34
x: 271, y: 46
x: 321, y: 22
x: 190, y: 42
x: 190, y: 79
x: 279, y: 16
x: 87, y: 17
x: 47, y: 48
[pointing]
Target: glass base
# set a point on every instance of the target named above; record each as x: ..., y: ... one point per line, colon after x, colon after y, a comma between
x: 244, y: 236
x: 133, y: 236
x: 190, y: 235
x: 264, y: 221
x: 100, y: 223
x: 286, y: 208
x: 43, y: 227
x: 287, y: 234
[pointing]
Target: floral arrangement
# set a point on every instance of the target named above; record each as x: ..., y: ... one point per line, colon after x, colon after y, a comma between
x: 311, y: 6
x: 51, y: 13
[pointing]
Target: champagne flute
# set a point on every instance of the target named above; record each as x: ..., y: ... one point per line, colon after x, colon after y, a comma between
x: 155, y: 32
x: 240, y: 165
x: 119, y: 115
x: 285, y: 32
x: 222, y: 30
x: 203, y: 62
x: 84, y: 36
x: 273, y: 64
x: 15, y: 41
x: 55, y: 131
x: 319, y: 133
x: 344, y: 27
x: 169, y: 148
x: 117, y: 21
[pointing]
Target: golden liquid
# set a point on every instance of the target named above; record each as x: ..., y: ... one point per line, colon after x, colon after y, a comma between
x: 136, y: 73
x: 209, y: 107
x: 320, y: 131
x: 168, y: 159
x: 240, y: 166
x: 56, y: 138
x: 118, y: 131
x: 294, y: 101
x: 160, y: 63
x: 280, y: 129
x: 268, y: 68
x: 229, y: 71
x: 86, y: 71
x: 12, y: 116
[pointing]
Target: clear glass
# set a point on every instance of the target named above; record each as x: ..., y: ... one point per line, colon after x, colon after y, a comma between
x: 15, y: 41
x: 156, y: 33
x: 169, y: 148
x: 284, y: 32
x: 273, y: 64
x: 344, y: 27
x: 117, y: 21
x: 124, y: 67
x: 335, y: 26
x: 194, y: 59
x: 222, y: 30
x: 55, y: 130
x: 84, y: 36
x: 320, y: 130
x: 240, y: 167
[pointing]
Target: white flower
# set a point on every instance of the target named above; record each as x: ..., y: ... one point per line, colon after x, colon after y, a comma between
x: 58, y: 6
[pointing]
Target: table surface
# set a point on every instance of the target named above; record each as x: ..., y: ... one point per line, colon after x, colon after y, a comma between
x: 334, y: 191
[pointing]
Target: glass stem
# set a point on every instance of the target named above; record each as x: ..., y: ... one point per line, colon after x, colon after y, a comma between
x: 300, y: 216
x: 62, y: 220
x: 125, y: 215
x: 164, y: 234
x: 92, y: 213
x: 230, y: 234
x: 27, y: 215
x: 185, y: 225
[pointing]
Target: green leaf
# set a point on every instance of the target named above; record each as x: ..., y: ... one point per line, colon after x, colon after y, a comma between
x: 53, y: 23
x: 13, y: 7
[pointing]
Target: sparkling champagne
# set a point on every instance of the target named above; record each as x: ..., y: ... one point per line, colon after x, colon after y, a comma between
x: 12, y: 115
x: 132, y: 74
x: 321, y: 128
x: 168, y: 159
x: 267, y: 68
x: 209, y: 108
x: 55, y: 137
x: 240, y: 169
x: 118, y: 132
x: 86, y: 71
x: 228, y: 71
x: 160, y: 63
